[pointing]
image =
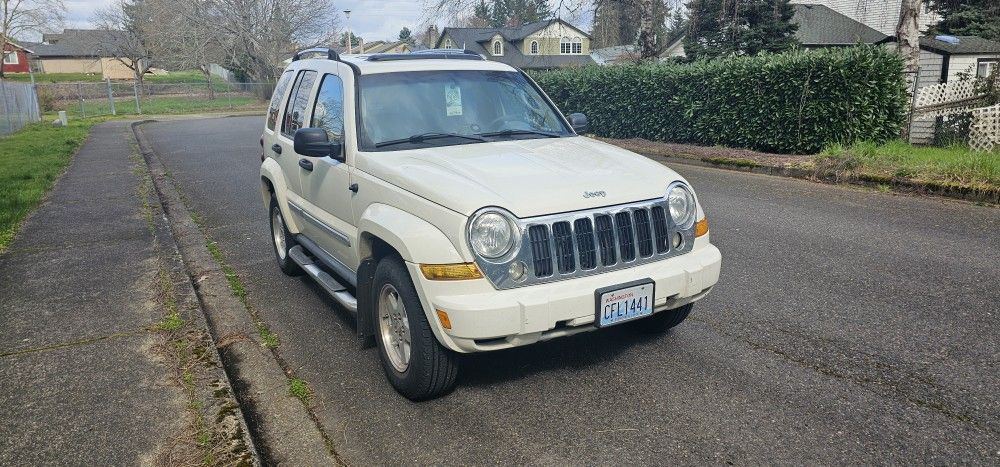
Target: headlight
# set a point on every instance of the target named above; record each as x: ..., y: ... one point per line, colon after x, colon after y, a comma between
x: 492, y: 234
x: 682, y: 205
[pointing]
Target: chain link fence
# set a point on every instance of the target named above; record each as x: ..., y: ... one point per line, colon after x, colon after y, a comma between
x: 20, y: 106
x: 151, y: 98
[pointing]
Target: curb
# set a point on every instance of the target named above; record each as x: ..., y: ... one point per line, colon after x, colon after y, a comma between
x: 900, y: 185
x: 281, y: 427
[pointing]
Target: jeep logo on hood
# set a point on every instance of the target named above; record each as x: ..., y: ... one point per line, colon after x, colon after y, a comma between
x: 594, y: 194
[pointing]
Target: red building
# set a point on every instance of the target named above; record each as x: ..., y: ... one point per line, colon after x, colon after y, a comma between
x: 15, y: 58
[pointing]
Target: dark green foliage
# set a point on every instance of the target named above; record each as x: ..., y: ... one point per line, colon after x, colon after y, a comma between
x: 406, y: 36
x: 797, y: 102
x: 968, y: 17
x: 509, y: 13
x: 720, y: 28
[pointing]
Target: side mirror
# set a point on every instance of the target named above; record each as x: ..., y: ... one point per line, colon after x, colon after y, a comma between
x: 313, y: 142
x: 579, y: 122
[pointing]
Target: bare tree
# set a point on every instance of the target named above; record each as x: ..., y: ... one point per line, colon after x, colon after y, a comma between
x: 185, y: 37
x: 22, y: 17
x: 127, y: 25
x: 260, y: 34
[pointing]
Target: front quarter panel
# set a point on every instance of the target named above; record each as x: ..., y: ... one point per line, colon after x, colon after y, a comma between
x: 416, y: 240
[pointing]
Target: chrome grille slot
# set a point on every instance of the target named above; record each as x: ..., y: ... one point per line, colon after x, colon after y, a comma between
x: 585, y: 243
x: 660, y: 229
x: 606, y: 239
x: 626, y: 239
x: 643, y: 237
x: 565, y: 258
x: 539, y: 237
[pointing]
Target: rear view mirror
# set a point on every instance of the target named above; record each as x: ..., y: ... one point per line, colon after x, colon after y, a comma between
x: 314, y: 142
x: 579, y: 122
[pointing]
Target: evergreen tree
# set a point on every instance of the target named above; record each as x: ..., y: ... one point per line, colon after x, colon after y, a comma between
x: 406, y: 35
x: 968, y: 18
x: 721, y: 28
x: 509, y: 13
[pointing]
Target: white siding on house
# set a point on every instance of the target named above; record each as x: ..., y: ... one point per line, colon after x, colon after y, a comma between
x: 965, y: 64
x: 922, y: 129
x: 882, y: 15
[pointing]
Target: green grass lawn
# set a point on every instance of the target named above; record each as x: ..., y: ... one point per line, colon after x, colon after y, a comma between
x: 956, y: 165
x: 167, y: 105
x: 30, y: 162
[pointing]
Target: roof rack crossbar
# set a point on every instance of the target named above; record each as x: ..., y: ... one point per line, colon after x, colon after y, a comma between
x: 428, y: 54
x: 330, y: 53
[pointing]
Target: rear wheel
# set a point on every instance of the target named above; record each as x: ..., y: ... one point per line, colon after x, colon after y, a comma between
x: 661, y: 322
x: 416, y: 364
x: 282, y: 240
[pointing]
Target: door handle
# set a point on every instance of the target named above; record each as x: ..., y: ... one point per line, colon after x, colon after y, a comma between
x: 276, y: 148
x: 306, y: 164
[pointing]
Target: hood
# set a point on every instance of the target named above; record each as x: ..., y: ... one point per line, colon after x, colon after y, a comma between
x: 527, y: 177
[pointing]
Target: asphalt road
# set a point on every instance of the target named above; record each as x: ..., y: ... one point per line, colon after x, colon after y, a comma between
x: 848, y: 327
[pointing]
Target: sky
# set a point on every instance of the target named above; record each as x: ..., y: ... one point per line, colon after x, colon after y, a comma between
x: 370, y: 19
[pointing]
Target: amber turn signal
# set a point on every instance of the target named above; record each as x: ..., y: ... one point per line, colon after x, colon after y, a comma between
x: 445, y: 322
x: 701, y: 228
x: 451, y: 272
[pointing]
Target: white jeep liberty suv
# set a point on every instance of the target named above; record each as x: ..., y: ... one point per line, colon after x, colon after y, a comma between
x: 447, y: 203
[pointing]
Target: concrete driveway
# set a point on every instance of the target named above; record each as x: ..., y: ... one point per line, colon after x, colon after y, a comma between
x: 848, y: 327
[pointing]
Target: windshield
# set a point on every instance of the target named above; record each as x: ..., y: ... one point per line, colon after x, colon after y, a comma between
x: 421, y: 109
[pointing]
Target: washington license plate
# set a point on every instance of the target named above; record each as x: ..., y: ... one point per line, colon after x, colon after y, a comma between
x: 625, y: 302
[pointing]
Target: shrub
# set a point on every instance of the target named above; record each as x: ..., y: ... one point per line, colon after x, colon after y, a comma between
x: 796, y: 102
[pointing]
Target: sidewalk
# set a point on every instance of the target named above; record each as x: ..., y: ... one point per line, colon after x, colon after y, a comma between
x: 103, y: 350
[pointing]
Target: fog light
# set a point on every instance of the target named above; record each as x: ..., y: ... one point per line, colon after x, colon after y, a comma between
x: 517, y: 271
x: 677, y: 240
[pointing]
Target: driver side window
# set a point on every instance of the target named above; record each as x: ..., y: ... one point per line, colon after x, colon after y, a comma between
x: 328, y: 113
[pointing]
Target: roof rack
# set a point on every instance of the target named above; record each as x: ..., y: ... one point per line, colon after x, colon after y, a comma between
x: 330, y: 53
x: 428, y: 54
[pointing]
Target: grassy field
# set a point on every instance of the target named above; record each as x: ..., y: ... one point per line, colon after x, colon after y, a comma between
x: 955, y: 165
x: 30, y: 162
x: 167, y: 105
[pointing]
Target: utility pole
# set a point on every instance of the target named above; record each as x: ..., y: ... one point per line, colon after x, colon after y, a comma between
x: 350, y: 48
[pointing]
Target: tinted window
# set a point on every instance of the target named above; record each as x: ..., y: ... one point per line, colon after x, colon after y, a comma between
x: 472, y: 103
x: 329, y: 111
x: 279, y: 93
x: 295, y: 111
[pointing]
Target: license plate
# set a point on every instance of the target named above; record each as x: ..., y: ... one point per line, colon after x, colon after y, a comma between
x: 625, y: 302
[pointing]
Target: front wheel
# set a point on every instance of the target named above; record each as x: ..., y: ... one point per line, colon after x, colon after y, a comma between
x: 661, y: 322
x: 413, y: 360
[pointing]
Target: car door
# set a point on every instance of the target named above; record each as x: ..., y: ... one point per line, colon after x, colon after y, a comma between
x: 326, y: 181
x: 294, y: 118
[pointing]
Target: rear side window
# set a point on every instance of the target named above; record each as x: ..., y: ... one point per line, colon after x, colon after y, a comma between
x: 279, y: 92
x: 296, y: 109
x: 329, y: 111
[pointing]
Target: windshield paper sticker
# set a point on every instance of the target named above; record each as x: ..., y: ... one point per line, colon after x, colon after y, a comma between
x: 453, y: 99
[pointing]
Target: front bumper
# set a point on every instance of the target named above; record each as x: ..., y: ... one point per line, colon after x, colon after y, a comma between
x: 484, y: 318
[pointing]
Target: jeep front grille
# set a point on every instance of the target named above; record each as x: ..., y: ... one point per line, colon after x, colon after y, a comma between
x: 569, y: 245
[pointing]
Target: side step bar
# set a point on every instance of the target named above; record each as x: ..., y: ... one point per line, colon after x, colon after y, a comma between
x: 332, y: 287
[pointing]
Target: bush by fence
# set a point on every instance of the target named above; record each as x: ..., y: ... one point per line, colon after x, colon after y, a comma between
x: 797, y: 102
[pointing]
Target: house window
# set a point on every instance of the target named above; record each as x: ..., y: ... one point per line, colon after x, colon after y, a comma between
x: 448, y: 44
x: 986, y: 67
x: 497, y: 47
x: 11, y: 58
x: 534, y: 47
x: 577, y: 45
x: 565, y: 46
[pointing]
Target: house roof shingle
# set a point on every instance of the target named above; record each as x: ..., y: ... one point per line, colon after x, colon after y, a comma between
x: 821, y: 26
x: 77, y: 43
x: 966, y: 45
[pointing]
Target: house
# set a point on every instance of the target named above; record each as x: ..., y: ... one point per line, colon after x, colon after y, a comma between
x: 880, y: 15
x: 15, y: 58
x: 79, y: 51
x: 539, y: 45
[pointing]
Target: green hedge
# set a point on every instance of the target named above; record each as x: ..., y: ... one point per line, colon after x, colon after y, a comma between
x: 797, y: 102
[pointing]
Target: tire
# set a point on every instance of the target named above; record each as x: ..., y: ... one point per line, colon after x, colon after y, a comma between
x: 663, y: 321
x: 282, y: 240
x: 428, y: 370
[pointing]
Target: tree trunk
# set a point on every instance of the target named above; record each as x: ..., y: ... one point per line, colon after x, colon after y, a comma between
x: 647, y: 34
x: 908, y: 44
x: 3, y: 47
x: 208, y: 77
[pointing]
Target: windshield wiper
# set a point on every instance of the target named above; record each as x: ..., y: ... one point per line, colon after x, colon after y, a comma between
x: 520, y: 132
x: 428, y: 136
